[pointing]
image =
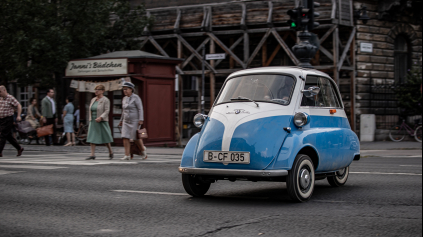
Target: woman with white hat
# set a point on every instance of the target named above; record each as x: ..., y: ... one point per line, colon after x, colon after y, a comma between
x: 132, y: 119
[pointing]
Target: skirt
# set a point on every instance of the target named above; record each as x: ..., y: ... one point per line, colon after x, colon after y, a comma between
x: 68, y: 123
x: 99, y: 133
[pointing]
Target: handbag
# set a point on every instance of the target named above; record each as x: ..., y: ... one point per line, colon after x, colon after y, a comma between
x: 142, y: 133
x: 135, y: 150
x: 45, y: 131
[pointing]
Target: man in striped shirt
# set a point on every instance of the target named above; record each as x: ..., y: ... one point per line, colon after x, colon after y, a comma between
x: 8, y: 105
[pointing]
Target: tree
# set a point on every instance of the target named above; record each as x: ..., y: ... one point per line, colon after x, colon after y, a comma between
x: 409, y: 94
x: 39, y: 37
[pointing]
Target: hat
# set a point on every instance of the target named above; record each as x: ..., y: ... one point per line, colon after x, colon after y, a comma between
x: 128, y: 84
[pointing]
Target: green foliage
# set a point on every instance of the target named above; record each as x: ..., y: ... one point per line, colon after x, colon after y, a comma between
x: 39, y: 37
x: 409, y: 94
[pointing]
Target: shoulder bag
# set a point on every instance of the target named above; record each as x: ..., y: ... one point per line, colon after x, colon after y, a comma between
x: 142, y: 133
x: 45, y: 131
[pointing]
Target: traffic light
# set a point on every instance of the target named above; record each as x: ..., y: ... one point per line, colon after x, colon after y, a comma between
x: 294, y: 23
x: 312, y: 14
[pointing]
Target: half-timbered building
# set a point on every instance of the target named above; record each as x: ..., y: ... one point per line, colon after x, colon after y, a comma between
x: 251, y: 34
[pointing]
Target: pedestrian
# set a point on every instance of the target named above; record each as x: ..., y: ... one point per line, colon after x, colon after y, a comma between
x: 33, y: 114
x: 77, y: 115
x: 49, y: 115
x: 68, y: 121
x: 132, y: 119
x: 8, y: 104
x: 99, y: 130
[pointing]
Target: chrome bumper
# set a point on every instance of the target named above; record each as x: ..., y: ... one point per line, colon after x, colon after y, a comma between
x: 239, y: 173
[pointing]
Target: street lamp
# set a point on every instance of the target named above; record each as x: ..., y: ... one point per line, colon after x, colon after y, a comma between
x: 361, y: 14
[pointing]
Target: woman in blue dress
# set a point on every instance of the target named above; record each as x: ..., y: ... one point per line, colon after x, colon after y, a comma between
x: 68, y: 121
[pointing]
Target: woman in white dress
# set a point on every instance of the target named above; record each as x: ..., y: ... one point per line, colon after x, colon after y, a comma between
x: 132, y: 119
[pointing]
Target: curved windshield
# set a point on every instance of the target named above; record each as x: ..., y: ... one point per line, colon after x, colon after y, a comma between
x: 258, y: 88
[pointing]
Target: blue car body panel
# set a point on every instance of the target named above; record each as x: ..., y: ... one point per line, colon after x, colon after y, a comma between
x: 263, y: 138
x: 271, y: 147
x: 331, y: 138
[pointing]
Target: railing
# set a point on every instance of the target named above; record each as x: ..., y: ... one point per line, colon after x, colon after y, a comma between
x: 244, y: 14
x: 384, y: 103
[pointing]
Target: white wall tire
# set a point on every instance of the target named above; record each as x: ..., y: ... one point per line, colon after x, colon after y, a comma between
x: 194, y: 186
x: 301, y: 179
x: 340, y: 179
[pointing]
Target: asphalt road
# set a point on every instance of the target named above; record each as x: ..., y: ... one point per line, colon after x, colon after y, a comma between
x: 383, y: 197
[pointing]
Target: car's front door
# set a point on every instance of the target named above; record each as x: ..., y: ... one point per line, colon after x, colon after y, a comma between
x: 329, y: 129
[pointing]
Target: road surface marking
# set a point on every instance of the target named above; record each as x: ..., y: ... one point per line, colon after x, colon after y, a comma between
x: 391, y: 157
x: 380, y: 173
x: 328, y: 201
x: 147, y: 192
x: 418, y: 166
x: 34, y: 167
x: 3, y: 172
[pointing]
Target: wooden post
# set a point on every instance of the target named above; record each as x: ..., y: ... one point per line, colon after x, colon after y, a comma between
x: 352, y: 84
x: 199, y: 92
x: 231, y: 59
x: 246, y: 47
x: 264, y: 54
x: 180, y: 98
x: 335, y: 56
x: 212, y: 75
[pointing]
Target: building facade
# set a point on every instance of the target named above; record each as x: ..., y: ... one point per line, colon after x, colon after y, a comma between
x: 360, y: 56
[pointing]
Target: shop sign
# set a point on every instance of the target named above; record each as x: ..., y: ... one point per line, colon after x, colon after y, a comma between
x: 97, y: 67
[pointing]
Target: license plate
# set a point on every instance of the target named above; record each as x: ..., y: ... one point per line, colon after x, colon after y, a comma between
x: 227, y: 157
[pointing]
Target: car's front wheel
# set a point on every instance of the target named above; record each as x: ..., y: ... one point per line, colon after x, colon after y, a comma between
x: 340, y: 178
x: 194, y: 186
x: 301, y: 179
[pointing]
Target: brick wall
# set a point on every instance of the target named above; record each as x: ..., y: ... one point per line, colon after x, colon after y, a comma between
x: 170, y: 3
x: 379, y: 67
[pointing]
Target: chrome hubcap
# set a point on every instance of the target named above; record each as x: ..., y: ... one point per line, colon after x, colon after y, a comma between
x: 341, y: 172
x: 305, y: 178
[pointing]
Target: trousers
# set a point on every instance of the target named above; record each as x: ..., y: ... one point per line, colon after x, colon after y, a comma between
x: 6, y: 125
x: 54, y: 136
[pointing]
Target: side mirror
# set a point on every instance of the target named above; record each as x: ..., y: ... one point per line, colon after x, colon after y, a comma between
x: 314, y: 90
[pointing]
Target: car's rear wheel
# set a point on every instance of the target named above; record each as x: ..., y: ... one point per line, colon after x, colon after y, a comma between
x: 194, y: 186
x: 301, y: 179
x: 340, y: 178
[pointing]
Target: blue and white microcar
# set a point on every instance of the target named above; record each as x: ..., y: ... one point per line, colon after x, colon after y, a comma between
x: 284, y: 124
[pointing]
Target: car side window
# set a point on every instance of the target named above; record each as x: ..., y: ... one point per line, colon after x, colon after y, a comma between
x: 327, y: 97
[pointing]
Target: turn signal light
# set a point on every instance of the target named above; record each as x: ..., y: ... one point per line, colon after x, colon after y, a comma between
x: 332, y: 111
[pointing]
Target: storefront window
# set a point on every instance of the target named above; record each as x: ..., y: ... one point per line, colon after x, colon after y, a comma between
x: 117, y: 102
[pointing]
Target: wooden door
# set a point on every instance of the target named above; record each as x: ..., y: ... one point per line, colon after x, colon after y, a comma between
x: 159, y: 110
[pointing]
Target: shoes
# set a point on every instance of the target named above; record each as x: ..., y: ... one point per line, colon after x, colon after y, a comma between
x: 20, y: 152
x: 126, y: 158
x: 144, y: 154
x: 1, y: 154
x: 111, y: 156
x: 69, y: 144
x: 91, y: 158
x: 73, y: 144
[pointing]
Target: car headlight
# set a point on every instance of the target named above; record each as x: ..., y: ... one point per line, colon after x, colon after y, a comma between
x: 199, y: 120
x: 301, y: 119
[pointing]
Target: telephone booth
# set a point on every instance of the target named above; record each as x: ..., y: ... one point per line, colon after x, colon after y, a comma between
x: 154, y: 80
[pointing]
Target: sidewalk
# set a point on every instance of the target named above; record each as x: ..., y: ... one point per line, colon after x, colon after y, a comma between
x: 390, y: 148
x: 389, y: 145
x: 99, y: 149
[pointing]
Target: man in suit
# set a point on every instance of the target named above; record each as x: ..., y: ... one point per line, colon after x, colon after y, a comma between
x: 49, y: 114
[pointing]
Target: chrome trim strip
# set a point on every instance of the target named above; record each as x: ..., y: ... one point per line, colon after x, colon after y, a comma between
x: 231, y: 172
